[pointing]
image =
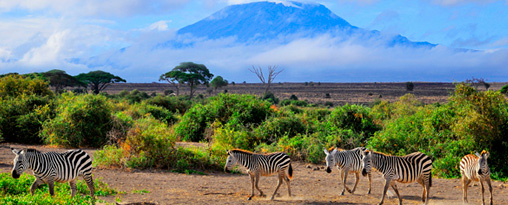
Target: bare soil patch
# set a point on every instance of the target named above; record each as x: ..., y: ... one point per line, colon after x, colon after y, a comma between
x: 310, y: 185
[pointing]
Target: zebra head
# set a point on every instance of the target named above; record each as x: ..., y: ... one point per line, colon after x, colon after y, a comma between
x: 230, y: 162
x: 20, y: 164
x: 330, y: 159
x: 483, y: 167
x: 366, y: 162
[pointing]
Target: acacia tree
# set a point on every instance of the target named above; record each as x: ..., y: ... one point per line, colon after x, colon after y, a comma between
x: 59, y: 79
x: 218, y: 82
x: 188, y: 73
x: 98, y: 80
x: 273, y: 72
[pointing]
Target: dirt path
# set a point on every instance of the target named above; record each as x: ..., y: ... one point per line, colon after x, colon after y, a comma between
x: 309, y: 186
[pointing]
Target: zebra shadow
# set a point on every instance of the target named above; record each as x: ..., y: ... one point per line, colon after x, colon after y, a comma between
x: 5, y: 166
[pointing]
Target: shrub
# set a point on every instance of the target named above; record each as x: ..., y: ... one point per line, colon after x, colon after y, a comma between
x: 25, y: 104
x: 16, y: 85
x: 81, y: 121
x: 410, y: 86
x: 21, y: 117
x: 270, y: 97
x: 230, y: 109
x: 171, y: 103
x: 148, y: 143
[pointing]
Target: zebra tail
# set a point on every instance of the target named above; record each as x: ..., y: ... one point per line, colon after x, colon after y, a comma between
x: 430, y: 180
x: 290, y: 171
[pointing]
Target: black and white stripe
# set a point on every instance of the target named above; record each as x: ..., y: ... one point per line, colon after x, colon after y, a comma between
x: 475, y: 168
x: 53, y: 167
x: 262, y: 165
x: 347, y: 161
x: 412, y: 167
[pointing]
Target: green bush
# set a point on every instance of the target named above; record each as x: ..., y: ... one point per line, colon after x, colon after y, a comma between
x: 25, y: 104
x: 225, y: 108
x: 16, y: 85
x: 158, y: 113
x: 171, y: 103
x: 21, y: 117
x: 81, y: 121
x: 470, y: 121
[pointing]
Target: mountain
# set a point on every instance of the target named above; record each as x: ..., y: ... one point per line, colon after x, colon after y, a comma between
x: 265, y: 21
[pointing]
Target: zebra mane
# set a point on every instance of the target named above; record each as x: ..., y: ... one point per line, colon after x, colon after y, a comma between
x: 241, y: 151
x: 380, y: 153
x: 33, y: 150
x: 249, y: 152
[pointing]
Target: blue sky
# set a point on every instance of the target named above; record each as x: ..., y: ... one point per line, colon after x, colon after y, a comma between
x: 36, y: 36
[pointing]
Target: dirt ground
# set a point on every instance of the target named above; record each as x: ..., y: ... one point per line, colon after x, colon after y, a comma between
x: 310, y: 185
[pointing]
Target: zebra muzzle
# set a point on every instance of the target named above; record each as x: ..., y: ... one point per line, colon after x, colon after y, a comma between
x: 364, y: 172
x: 15, y: 174
x: 328, y: 170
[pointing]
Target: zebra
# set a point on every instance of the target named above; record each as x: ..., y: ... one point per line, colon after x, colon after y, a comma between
x: 262, y: 165
x: 52, y: 166
x: 475, y: 168
x: 347, y: 161
x: 412, y: 167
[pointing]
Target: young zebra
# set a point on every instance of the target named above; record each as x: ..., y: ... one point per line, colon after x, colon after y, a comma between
x: 475, y: 167
x: 51, y: 166
x: 412, y: 167
x: 347, y: 161
x: 262, y: 165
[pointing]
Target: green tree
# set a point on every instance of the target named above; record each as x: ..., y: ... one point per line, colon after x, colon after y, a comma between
x: 188, y: 73
x: 59, y: 79
x: 98, y: 80
x: 218, y: 82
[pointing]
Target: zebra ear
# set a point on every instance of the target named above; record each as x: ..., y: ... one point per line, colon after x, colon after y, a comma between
x: 15, y: 151
x: 477, y: 154
x: 326, y: 151
x: 334, y: 151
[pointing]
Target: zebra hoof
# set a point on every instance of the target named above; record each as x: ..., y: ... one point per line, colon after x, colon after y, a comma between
x: 342, y: 194
x: 250, y: 197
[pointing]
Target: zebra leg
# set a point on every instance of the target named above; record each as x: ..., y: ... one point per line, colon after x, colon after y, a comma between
x: 73, y: 186
x: 387, y: 184
x: 252, y: 182
x: 394, y: 186
x: 465, y: 184
x: 90, y: 184
x: 370, y: 183
x: 281, y: 177
x: 345, y: 171
x: 34, y: 186
x: 356, y: 183
x: 289, y: 185
x: 257, y: 181
x: 51, y: 185
x: 490, y: 189
x: 342, y: 178
x: 420, y: 181
x: 483, y: 191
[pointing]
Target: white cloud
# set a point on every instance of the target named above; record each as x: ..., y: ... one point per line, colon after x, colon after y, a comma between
x: 159, y: 25
x: 117, y: 8
x: 460, y: 2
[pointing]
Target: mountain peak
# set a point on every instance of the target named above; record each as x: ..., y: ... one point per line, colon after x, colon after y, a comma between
x: 267, y: 20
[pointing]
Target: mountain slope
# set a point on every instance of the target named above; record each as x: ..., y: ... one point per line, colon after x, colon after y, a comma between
x: 264, y: 21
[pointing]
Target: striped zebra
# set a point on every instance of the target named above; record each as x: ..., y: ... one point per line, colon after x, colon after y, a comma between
x: 347, y: 161
x: 52, y: 166
x: 262, y: 165
x: 412, y: 167
x: 475, y: 168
